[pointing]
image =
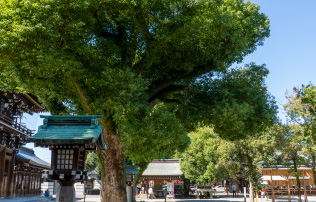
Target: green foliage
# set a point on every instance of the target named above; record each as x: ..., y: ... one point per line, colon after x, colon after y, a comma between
x: 236, y: 102
x: 139, y: 63
x: 199, y: 162
x: 245, y: 158
x: 210, y: 157
x: 294, y: 147
x: 92, y: 163
x: 301, y: 109
x: 294, y: 152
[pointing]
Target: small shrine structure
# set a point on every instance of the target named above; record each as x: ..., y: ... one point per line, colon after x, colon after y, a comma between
x: 160, y: 172
x: 69, y: 138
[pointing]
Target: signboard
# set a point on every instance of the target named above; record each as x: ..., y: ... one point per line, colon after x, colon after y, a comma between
x: 170, y: 189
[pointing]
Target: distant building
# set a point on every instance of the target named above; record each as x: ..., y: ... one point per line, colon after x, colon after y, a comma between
x: 28, y: 172
x: 161, y: 171
x: 12, y: 136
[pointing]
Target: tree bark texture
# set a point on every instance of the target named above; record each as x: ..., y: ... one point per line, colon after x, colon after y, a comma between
x: 113, y: 170
x: 314, y: 167
x: 251, y: 189
x: 298, y: 183
x: 251, y: 172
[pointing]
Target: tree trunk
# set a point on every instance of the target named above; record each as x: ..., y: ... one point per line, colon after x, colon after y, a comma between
x: 113, y: 170
x: 298, y: 183
x: 251, y: 189
x: 313, y: 167
x: 251, y: 172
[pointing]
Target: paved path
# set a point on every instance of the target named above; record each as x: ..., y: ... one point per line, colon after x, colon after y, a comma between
x: 95, y: 198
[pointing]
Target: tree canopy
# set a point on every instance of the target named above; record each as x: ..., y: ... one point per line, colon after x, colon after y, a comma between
x: 140, y: 64
x: 301, y: 110
x: 200, y: 159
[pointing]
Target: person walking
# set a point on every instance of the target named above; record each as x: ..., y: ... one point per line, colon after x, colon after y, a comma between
x: 263, y: 194
x: 234, y: 191
x: 150, y: 193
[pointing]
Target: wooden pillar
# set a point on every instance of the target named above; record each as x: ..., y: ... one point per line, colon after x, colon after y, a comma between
x: 31, y: 184
x: 11, y: 175
x: 2, y: 166
x: 28, y: 184
x: 17, y: 187
x: 14, y: 183
x: 22, y: 184
x: 40, y: 184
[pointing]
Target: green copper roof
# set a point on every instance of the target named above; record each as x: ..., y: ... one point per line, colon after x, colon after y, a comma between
x: 69, y: 130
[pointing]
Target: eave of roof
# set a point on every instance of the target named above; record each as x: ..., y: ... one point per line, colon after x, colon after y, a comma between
x: 32, y: 159
x: 163, y: 167
x: 74, y: 130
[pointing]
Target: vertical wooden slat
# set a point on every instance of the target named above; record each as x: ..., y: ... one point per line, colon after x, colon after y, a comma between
x: 28, y: 185
x: 40, y: 184
x: 10, y: 175
x: 2, y: 166
x: 23, y: 184
x: 272, y: 189
x: 14, y: 183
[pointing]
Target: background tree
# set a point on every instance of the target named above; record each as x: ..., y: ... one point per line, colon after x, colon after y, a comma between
x: 301, y: 109
x: 134, y: 62
x: 92, y: 163
x: 200, y: 159
x: 293, y: 152
x: 254, y: 152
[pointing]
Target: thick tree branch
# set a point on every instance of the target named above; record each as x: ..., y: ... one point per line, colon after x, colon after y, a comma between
x: 179, y: 75
x: 166, y: 91
x: 107, y: 35
x: 82, y: 97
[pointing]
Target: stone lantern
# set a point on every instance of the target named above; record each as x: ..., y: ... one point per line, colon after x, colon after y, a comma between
x: 69, y: 138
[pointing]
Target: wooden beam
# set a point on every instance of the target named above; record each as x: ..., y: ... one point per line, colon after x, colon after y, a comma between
x: 272, y: 189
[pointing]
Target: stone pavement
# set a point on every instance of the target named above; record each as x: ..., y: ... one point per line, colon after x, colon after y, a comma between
x: 89, y: 198
x: 293, y: 199
x: 95, y: 198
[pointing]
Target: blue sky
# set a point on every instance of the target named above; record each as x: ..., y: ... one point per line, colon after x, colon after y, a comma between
x: 289, y: 53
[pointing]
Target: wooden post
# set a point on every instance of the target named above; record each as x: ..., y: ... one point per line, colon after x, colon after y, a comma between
x: 40, y: 184
x: 2, y: 166
x: 22, y: 184
x: 14, y: 183
x: 28, y: 184
x: 10, y: 175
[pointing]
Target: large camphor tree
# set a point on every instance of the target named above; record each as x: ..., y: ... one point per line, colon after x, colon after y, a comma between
x: 136, y: 62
